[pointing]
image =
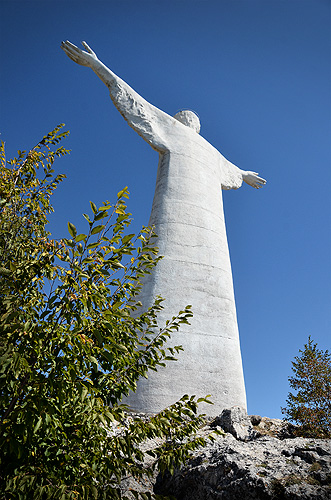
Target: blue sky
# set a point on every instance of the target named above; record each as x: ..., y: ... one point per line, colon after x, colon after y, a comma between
x: 258, y: 74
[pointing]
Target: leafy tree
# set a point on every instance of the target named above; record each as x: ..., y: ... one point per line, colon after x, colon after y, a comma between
x: 73, y: 342
x: 310, y: 407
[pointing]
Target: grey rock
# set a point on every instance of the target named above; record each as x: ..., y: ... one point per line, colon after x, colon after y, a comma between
x: 236, y: 421
x: 255, y: 419
x: 267, y: 468
x: 276, y: 427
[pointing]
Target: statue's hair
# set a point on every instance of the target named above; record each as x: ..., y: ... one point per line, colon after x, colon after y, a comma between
x: 190, y: 118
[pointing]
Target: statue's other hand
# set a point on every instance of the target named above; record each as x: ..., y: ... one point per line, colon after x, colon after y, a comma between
x: 253, y: 179
x: 79, y: 56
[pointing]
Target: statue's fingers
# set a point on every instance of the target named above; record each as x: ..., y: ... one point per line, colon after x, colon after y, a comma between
x: 262, y: 181
x: 75, y: 50
x: 68, y: 51
x: 74, y: 57
x: 67, y: 48
x: 89, y: 50
x: 72, y: 52
x: 63, y: 45
x: 71, y: 45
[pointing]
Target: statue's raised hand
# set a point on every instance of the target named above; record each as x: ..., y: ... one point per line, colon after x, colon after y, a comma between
x: 253, y: 179
x: 79, y: 56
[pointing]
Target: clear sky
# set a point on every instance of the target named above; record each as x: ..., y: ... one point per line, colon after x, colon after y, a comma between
x: 258, y: 74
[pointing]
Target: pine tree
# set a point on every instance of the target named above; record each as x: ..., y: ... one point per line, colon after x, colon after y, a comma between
x: 310, y: 406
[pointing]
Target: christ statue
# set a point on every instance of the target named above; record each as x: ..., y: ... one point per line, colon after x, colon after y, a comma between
x: 188, y: 218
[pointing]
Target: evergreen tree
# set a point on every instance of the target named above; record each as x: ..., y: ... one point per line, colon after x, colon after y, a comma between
x: 310, y: 406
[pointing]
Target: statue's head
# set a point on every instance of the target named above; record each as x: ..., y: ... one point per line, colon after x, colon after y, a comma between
x: 189, y: 118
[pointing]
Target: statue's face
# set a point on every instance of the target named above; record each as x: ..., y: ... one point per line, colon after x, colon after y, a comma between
x: 188, y: 118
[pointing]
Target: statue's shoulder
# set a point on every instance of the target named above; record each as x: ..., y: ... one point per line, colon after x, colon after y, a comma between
x: 182, y: 139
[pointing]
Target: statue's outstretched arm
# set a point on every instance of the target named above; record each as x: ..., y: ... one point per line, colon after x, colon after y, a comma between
x: 147, y: 120
x: 233, y: 176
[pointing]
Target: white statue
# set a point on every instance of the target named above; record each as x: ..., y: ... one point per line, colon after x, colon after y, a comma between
x: 188, y: 217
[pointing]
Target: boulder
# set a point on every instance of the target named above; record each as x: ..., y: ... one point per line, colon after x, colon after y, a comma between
x: 236, y: 421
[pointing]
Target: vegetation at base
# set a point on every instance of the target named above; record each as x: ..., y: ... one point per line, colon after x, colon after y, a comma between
x: 310, y: 406
x: 73, y: 342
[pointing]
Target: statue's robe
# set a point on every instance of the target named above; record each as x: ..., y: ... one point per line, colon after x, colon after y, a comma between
x: 188, y: 217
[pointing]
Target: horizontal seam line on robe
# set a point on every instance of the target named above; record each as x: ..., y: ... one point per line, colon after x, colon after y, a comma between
x: 175, y: 200
x: 184, y: 224
x: 201, y: 334
x: 203, y: 147
x: 166, y: 257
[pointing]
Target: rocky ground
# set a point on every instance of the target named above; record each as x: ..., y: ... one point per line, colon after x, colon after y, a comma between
x: 256, y: 458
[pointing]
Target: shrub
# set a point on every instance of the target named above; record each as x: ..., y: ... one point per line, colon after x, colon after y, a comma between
x: 73, y: 341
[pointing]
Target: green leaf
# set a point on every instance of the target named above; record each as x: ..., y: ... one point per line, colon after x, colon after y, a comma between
x: 94, y: 362
x: 80, y: 237
x: 38, y: 424
x: 97, y: 229
x: 127, y: 238
x: 120, y: 211
x: 120, y: 347
x: 92, y: 245
x: 101, y: 215
x: 116, y: 304
x: 94, y: 491
x: 104, y: 207
x: 83, y: 393
x: 12, y: 267
x: 109, y: 357
x: 87, y: 218
x: 72, y: 230
x: 93, y: 207
x: 123, y: 193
